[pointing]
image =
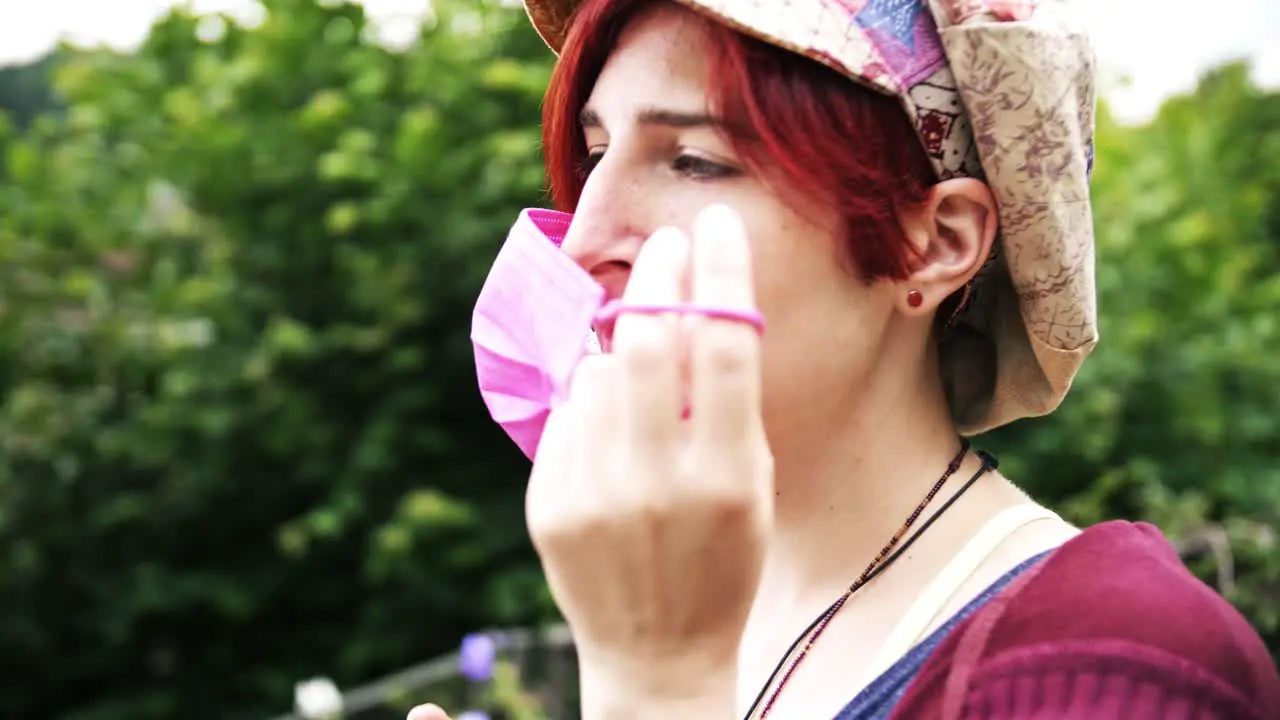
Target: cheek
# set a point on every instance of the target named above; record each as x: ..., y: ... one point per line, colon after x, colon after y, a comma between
x: 794, y: 276
x: 794, y: 311
x: 821, y: 322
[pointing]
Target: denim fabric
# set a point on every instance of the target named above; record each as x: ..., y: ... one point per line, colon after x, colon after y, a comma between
x: 877, y: 700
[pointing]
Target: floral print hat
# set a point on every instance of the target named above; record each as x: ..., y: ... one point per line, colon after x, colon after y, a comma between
x: 1000, y: 90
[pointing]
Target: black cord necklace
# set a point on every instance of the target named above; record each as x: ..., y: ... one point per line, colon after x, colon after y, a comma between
x: 989, y: 462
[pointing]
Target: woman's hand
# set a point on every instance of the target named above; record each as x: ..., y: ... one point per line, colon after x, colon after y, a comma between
x: 650, y: 527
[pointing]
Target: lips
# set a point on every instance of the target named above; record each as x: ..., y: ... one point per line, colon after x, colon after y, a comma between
x: 612, y: 278
x: 604, y: 330
x: 603, y: 333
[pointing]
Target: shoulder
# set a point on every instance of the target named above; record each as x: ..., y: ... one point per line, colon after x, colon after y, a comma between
x: 1120, y: 591
x: 1115, y: 607
x: 1125, y: 582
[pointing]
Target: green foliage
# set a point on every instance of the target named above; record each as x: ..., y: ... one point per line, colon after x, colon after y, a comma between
x: 240, y: 442
x: 25, y: 91
x: 1174, y: 419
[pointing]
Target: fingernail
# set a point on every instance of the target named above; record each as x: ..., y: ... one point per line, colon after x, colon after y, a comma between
x: 667, y: 242
x: 719, y: 233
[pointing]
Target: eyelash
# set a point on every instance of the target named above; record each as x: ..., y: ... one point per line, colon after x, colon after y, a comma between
x: 691, y: 166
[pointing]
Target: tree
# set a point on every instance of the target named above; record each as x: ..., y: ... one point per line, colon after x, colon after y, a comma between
x: 241, y: 438
x: 1173, y: 419
x: 25, y: 90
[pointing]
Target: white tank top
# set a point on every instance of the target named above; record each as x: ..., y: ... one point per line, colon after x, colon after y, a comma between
x: 922, y: 614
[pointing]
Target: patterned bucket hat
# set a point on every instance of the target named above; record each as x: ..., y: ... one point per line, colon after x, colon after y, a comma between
x: 1000, y: 90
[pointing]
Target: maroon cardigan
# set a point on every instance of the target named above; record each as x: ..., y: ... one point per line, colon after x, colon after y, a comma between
x: 1111, y: 626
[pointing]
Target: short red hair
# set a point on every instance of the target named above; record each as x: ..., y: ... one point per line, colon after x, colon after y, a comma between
x: 825, y: 135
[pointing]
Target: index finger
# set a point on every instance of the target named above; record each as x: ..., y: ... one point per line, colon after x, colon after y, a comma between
x: 725, y: 352
x: 648, y: 345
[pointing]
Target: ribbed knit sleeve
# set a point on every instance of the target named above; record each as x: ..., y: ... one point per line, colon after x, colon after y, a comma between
x: 1103, y: 680
x: 1111, y: 626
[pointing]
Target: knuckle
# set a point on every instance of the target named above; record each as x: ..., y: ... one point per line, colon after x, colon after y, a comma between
x: 552, y: 532
x: 726, y: 508
x: 726, y: 349
x: 645, y: 346
x: 652, y: 509
x: 564, y: 521
x: 728, y: 473
x: 730, y: 501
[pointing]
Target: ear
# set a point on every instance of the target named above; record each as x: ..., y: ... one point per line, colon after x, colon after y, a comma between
x: 952, y: 232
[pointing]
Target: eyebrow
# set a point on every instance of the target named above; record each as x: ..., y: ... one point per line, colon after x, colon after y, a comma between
x: 656, y: 116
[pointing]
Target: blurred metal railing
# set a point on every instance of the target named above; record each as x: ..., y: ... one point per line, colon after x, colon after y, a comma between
x: 397, y: 692
x: 554, y: 678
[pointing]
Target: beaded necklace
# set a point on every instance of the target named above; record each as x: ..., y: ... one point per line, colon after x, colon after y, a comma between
x: 882, y: 561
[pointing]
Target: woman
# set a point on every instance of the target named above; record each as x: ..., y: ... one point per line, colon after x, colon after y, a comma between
x: 901, y: 189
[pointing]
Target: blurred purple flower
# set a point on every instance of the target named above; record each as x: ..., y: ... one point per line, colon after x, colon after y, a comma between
x: 476, y: 657
x: 474, y: 715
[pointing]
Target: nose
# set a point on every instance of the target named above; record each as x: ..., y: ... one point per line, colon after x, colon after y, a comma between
x: 605, y: 235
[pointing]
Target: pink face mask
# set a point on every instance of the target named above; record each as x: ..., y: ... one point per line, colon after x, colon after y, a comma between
x: 532, y: 325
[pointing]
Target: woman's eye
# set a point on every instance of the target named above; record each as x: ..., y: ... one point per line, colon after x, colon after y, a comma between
x: 699, y: 168
x: 690, y: 166
x: 590, y: 162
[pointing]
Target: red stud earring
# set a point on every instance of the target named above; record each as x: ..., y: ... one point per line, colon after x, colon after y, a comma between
x: 914, y: 298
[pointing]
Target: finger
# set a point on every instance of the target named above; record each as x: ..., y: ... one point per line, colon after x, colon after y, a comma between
x: 553, y: 469
x: 579, y: 439
x: 726, y: 353
x: 427, y: 712
x: 598, y: 427
x: 648, y: 346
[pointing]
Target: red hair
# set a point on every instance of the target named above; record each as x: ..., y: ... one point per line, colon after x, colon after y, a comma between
x: 821, y: 133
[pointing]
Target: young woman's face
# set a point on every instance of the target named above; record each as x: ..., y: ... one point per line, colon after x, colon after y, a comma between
x: 657, y: 159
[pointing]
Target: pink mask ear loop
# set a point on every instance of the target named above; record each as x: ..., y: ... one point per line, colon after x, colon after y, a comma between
x: 612, y: 309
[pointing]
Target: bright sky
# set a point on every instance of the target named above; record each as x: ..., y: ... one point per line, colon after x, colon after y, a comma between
x: 1161, y: 45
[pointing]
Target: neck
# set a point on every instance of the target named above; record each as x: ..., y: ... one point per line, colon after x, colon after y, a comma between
x: 848, y: 481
